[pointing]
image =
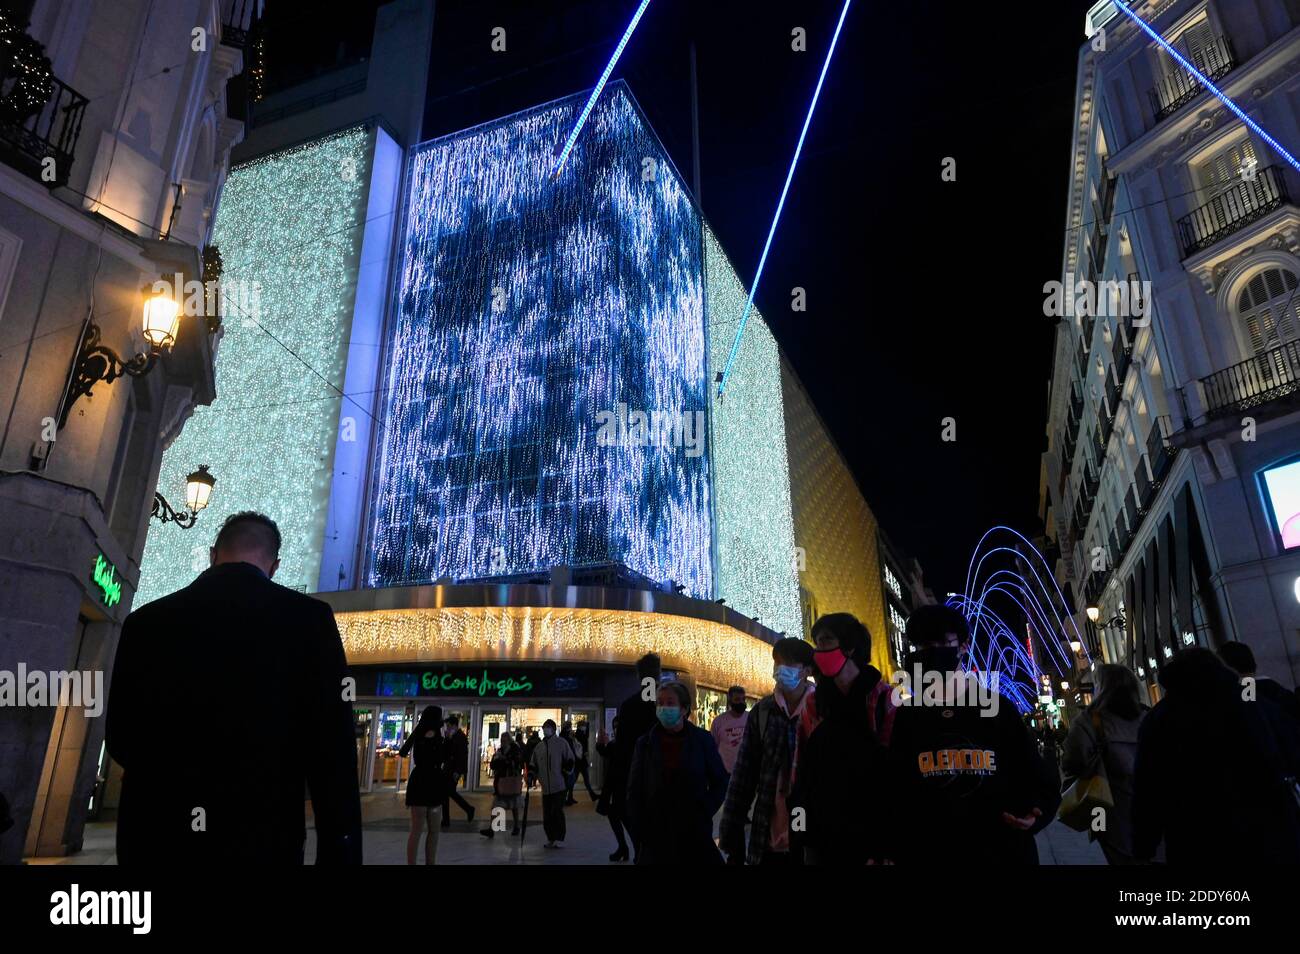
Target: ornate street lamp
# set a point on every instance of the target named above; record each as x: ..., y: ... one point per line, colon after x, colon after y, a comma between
x: 198, y: 491
x: 1094, y: 614
x: 97, y: 362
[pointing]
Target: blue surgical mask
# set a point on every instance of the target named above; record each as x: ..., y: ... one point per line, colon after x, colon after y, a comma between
x: 788, y: 677
x: 669, y: 716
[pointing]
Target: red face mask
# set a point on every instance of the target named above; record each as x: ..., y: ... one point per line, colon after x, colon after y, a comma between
x: 830, y: 661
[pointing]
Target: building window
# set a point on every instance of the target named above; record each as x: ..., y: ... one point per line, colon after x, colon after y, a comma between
x: 892, y: 582
x: 1224, y: 168
x: 1282, y: 492
x: 1267, y: 308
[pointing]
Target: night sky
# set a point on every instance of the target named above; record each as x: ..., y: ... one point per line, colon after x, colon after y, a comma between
x: 924, y: 297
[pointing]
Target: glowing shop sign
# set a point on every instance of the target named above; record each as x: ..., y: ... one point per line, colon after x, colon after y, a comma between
x: 450, y: 682
x: 104, y: 575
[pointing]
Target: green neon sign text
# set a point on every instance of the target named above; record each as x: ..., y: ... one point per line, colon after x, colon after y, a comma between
x: 104, y: 576
x: 450, y: 682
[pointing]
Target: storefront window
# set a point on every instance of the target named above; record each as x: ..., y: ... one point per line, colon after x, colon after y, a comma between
x: 709, y: 703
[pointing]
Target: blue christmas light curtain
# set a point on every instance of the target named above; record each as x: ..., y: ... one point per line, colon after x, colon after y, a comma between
x: 529, y: 310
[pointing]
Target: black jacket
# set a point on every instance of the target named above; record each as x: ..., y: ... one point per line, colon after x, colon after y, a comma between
x: 672, y: 822
x: 458, y: 752
x: 185, y: 722
x: 1211, y: 770
x: 960, y: 770
x: 636, y: 717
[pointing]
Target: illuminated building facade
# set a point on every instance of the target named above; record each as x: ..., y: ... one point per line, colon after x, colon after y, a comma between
x: 469, y: 486
x: 1171, y: 484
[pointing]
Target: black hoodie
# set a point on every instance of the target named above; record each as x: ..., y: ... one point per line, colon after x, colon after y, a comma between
x: 962, y: 767
x: 1211, y: 771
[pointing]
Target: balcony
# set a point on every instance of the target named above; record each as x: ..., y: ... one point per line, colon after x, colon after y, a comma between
x: 1241, y: 203
x: 237, y: 25
x: 1121, y: 355
x: 40, y: 120
x: 1160, y: 453
x: 1146, y: 487
x: 1254, y: 382
x: 1180, y: 87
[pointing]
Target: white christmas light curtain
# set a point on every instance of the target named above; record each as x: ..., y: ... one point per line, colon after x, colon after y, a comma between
x: 525, y: 307
x: 289, y: 228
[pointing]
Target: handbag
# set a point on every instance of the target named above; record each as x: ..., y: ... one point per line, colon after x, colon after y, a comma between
x: 1088, y: 792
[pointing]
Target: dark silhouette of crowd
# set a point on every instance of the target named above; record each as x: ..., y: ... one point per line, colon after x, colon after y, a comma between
x: 837, y: 764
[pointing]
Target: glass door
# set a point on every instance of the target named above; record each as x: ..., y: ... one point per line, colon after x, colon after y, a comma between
x: 464, y: 724
x: 586, y: 724
x: 389, y: 770
x: 492, y: 723
x: 363, y: 718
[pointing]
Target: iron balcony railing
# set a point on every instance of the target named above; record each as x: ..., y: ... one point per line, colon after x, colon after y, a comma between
x: 1121, y: 354
x: 33, y: 134
x: 1160, y: 453
x: 1256, y: 381
x: 1180, y: 87
x: 1230, y: 211
x: 1146, y: 487
x: 238, y: 24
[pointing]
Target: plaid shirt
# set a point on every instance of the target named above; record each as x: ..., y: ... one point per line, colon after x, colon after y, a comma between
x: 764, y: 755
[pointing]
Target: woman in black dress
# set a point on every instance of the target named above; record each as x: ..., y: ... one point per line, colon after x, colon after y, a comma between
x: 427, y: 786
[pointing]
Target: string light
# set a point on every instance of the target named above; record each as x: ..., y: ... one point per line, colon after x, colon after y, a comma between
x: 595, y: 93
x: 526, y: 308
x: 274, y: 459
x: 1208, y: 84
x: 713, y: 653
x: 751, y: 471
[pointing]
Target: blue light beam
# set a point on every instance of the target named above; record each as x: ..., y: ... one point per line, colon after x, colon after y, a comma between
x: 749, y: 305
x: 1205, y: 81
x: 595, y: 93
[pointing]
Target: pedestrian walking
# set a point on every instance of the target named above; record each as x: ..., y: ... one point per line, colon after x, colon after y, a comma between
x: 458, y: 767
x: 1105, y: 738
x: 974, y: 790
x: 764, y: 768
x: 1215, y: 773
x: 1241, y: 659
x: 844, y: 760
x: 552, y: 761
x: 507, y: 767
x: 604, y: 804
x: 582, y: 736
x: 675, y: 786
x: 232, y: 613
x: 636, y: 716
x: 571, y: 778
x: 426, y: 789
x: 729, y: 727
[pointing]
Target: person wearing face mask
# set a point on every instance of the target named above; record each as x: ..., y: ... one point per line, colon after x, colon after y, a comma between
x: 845, y: 783
x: 675, y: 786
x: 552, y: 761
x: 764, y: 767
x: 729, y: 727
x: 974, y: 788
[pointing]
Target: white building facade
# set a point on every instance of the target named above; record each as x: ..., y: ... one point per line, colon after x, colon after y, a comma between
x: 1171, y: 481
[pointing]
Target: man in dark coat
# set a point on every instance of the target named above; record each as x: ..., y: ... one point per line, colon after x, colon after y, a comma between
x: 1212, y: 771
x: 636, y: 716
x: 458, y: 767
x: 676, y: 785
x: 199, y: 784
